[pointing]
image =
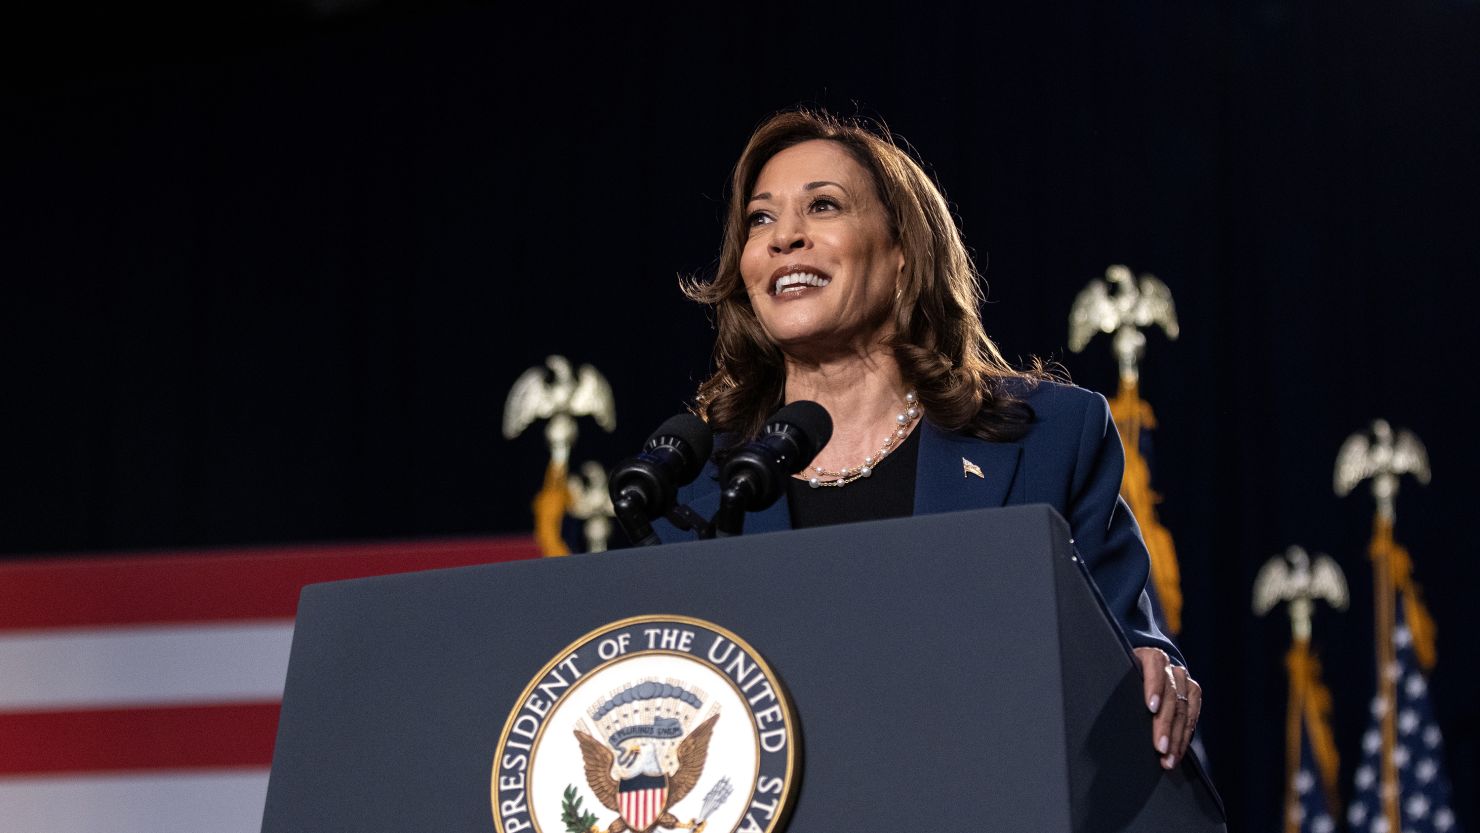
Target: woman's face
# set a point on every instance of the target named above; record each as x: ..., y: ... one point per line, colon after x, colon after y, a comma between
x: 820, y: 264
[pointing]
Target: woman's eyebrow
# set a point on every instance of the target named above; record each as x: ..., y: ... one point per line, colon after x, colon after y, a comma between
x: 811, y: 186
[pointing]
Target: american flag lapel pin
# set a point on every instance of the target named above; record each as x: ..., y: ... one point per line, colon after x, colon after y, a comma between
x: 968, y: 467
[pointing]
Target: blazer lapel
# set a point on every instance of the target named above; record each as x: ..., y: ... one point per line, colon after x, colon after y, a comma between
x: 944, y: 477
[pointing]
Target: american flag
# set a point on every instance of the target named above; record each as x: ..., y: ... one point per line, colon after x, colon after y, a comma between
x: 1310, y: 795
x: 140, y: 694
x: 1418, y: 753
x: 1311, y: 813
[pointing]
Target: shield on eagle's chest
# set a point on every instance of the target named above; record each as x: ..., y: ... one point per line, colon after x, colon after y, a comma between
x: 641, y: 800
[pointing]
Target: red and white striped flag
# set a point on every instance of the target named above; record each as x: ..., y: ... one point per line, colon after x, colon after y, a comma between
x: 140, y: 694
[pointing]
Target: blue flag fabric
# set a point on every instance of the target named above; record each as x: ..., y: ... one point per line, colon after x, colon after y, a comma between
x: 1312, y: 813
x: 1423, y: 788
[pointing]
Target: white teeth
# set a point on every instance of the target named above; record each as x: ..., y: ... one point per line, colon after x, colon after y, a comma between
x: 797, y: 280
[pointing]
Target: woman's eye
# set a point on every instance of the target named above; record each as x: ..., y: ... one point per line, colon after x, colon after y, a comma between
x: 758, y: 218
x: 824, y: 204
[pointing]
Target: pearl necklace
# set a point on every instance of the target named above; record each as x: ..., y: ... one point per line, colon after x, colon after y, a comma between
x: 905, y: 420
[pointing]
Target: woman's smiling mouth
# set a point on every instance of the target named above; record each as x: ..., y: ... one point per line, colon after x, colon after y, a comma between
x: 791, y: 279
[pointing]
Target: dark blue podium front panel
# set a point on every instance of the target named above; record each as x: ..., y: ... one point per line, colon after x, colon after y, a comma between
x: 948, y: 671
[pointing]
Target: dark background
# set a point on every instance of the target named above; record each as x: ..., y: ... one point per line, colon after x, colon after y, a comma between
x: 269, y: 274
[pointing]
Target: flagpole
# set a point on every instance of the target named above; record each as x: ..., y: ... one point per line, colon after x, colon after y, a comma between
x: 1122, y: 304
x: 1385, y: 456
x: 1387, y: 661
x: 1297, y: 580
x: 1293, y: 714
x: 557, y: 394
x: 1131, y: 415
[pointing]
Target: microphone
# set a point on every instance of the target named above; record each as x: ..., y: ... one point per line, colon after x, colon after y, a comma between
x: 753, y: 477
x: 646, y: 486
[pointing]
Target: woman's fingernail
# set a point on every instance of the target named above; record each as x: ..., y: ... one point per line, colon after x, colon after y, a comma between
x: 1154, y: 702
x: 1169, y: 761
x: 1163, y: 745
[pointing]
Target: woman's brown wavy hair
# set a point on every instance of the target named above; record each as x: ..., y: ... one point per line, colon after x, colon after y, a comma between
x: 939, y: 341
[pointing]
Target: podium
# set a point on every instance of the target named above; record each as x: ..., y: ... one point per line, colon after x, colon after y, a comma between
x: 945, y: 671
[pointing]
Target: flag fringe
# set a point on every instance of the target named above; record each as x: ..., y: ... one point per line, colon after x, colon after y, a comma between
x: 1314, y: 706
x: 1132, y: 414
x: 549, y: 509
x: 1400, y: 568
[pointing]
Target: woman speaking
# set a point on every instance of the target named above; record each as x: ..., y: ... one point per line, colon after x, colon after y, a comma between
x: 843, y: 279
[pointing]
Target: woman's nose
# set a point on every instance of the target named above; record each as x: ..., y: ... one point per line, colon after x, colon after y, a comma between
x: 788, y: 234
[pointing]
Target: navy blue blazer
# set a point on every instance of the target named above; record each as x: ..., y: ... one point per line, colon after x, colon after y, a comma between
x: 1070, y: 459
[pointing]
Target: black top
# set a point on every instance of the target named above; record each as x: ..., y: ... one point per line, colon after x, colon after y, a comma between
x: 888, y: 493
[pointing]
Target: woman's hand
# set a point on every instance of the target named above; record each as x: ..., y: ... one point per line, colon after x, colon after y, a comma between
x: 1175, y: 699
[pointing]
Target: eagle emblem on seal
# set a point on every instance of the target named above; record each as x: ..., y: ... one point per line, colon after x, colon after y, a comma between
x: 652, y: 755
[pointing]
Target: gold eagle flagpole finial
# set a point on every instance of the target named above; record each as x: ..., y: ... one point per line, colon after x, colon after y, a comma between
x: 1121, y: 306
x: 1124, y: 307
x: 1297, y: 581
x: 591, y: 503
x: 1383, y: 456
x: 558, y: 395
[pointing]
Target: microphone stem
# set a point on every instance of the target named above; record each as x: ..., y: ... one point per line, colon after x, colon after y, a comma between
x: 730, y: 519
x: 628, y: 508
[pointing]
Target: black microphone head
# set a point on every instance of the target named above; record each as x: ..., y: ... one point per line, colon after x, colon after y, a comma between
x: 756, y: 472
x: 645, y: 487
x: 806, y: 418
x: 690, y: 437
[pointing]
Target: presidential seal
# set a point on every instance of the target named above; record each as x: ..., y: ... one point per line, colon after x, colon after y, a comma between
x: 647, y: 724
